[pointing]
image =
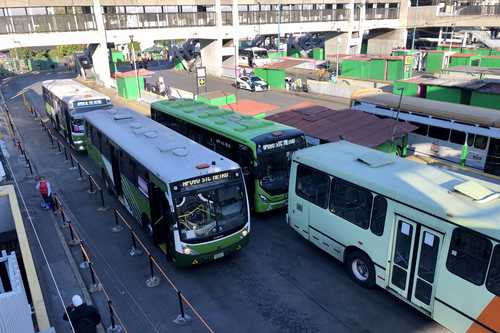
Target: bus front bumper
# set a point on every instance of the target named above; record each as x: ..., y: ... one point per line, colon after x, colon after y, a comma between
x: 184, y: 260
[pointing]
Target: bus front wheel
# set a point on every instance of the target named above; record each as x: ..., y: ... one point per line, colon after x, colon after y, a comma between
x: 361, y: 269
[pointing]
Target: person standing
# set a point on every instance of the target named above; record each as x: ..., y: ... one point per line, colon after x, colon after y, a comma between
x: 83, y: 317
x: 43, y: 186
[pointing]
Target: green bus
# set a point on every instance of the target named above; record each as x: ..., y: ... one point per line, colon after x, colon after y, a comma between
x: 65, y: 102
x: 427, y: 235
x: 190, y: 199
x: 261, y: 147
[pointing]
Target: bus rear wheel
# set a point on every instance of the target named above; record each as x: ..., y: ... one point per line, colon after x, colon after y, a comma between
x: 361, y: 269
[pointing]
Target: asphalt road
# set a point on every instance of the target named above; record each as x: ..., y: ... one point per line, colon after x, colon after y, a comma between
x: 282, y: 99
x: 278, y: 283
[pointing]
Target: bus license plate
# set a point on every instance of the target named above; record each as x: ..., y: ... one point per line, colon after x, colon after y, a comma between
x: 218, y: 255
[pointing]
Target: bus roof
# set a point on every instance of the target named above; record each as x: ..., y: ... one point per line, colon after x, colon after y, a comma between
x: 421, y: 186
x: 70, y: 90
x: 459, y: 112
x: 167, y: 154
x: 226, y: 122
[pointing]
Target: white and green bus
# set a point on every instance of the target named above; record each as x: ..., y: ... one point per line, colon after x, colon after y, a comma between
x: 462, y: 134
x: 429, y: 236
x: 65, y: 102
x: 190, y: 199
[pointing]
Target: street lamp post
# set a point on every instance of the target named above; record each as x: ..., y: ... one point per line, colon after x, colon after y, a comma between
x: 135, y: 66
x: 339, y: 40
x: 414, y: 26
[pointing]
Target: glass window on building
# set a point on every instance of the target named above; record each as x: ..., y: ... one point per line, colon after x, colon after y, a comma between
x: 37, y: 11
x: 170, y: 9
x: 17, y: 11
x: 243, y: 8
x: 188, y: 9
x: 134, y: 9
x: 152, y: 9
x: 253, y: 8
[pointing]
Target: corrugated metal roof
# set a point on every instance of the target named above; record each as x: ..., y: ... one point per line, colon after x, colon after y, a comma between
x: 438, y: 109
x: 330, y: 125
x: 140, y: 72
x: 287, y: 63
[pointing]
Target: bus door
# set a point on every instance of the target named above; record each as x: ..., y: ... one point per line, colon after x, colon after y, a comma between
x: 298, y: 210
x: 159, y: 216
x: 415, y: 255
x: 493, y: 158
x: 67, y: 132
x: 245, y: 160
x: 115, y: 168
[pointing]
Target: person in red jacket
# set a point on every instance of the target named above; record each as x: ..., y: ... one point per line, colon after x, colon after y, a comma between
x: 43, y: 186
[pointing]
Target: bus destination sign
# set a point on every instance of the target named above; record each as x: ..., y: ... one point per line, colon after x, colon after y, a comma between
x: 92, y: 102
x: 278, y: 144
x: 205, y: 179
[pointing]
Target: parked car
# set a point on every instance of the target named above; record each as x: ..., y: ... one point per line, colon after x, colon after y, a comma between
x: 252, y: 83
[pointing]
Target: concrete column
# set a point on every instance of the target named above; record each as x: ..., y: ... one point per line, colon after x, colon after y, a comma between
x: 388, y: 39
x: 99, y: 50
x: 336, y: 39
x: 218, y: 13
x: 211, y: 55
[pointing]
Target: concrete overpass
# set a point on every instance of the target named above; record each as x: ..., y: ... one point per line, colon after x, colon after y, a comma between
x: 217, y: 23
x: 467, y: 16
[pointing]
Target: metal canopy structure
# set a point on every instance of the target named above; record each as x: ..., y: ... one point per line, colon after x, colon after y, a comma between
x: 330, y: 126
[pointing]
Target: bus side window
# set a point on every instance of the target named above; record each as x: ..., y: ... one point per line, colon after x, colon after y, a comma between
x: 469, y: 256
x: 457, y: 137
x: 99, y: 140
x: 351, y: 202
x: 422, y: 129
x: 378, y: 215
x: 480, y: 142
x: 493, y: 281
x: 312, y: 185
x: 245, y: 159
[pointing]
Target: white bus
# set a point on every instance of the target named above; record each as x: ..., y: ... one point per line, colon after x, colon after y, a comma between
x: 458, y: 133
x: 258, y: 55
x: 429, y: 236
x: 65, y: 102
x: 191, y: 200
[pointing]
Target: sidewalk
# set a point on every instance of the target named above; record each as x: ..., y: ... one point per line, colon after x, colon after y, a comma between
x: 45, y: 225
x: 123, y: 277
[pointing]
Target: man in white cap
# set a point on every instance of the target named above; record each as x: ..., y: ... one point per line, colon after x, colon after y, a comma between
x: 84, y: 318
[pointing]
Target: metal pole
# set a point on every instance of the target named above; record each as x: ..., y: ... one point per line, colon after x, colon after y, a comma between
x: 397, y: 115
x: 414, y: 27
x: 279, y: 23
x: 117, y: 227
x: 181, y: 304
x: 337, y: 59
x: 451, y: 38
x: 135, y: 65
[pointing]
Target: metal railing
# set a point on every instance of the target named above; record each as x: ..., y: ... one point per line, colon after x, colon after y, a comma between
x: 158, y: 20
x: 488, y: 10
x: 294, y: 16
x: 382, y: 13
x: 46, y: 23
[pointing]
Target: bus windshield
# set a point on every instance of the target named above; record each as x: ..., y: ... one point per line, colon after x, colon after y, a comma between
x: 205, y: 214
x: 77, y: 125
x: 261, y: 54
x: 274, y: 164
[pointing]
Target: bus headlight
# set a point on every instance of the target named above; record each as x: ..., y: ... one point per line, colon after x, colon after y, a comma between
x: 263, y: 198
x: 244, y: 233
x: 187, y: 251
